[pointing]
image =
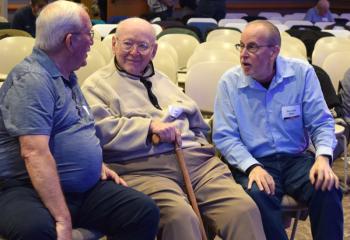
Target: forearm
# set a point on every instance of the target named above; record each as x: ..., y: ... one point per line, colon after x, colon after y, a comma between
x: 42, y: 171
x: 44, y: 177
x: 124, y: 133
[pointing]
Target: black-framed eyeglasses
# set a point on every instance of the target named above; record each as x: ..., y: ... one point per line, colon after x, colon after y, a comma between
x: 251, y: 47
x: 141, y: 47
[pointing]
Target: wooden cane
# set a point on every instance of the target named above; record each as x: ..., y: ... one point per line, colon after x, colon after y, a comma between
x: 189, y: 189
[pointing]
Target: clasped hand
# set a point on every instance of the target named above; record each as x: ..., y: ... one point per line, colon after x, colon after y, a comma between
x: 167, y: 132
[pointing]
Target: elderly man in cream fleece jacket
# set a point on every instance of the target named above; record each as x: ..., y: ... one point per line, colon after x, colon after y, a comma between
x: 130, y: 102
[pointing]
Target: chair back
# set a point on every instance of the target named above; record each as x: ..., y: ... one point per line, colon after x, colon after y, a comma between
x: 103, y: 50
x: 164, y: 62
x: 94, y: 62
x: 291, y: 23
x: 226, y: 35
x: 213, y: 56
x: 202, y: 80
x: 104, y: 29
x: 13, y: 50
x: 336, y: 64
x: 327, y: 45
x: 13, y: 33
x: 223, y: 22
x: 291, y: 43
x: 107, y: 41
x: 184, y: 45
x: 216, y: 45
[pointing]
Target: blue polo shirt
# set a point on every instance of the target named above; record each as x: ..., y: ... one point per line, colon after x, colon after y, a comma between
x: 36, y: 100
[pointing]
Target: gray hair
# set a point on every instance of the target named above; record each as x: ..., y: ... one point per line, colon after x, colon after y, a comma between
x: 55, y: 21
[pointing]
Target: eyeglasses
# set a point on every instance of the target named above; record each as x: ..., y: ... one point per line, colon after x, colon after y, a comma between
x: 141, y: 47
x: 91, y: 33
x: 251, y: 47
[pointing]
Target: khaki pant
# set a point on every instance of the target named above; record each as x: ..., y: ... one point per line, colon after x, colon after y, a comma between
x: 226, y: 209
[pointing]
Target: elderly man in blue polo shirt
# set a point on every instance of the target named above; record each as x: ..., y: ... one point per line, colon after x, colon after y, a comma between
x: 51, y: 173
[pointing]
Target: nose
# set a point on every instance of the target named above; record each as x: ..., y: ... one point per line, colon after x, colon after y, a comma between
x: 134, y: 50
x: 244, y: 52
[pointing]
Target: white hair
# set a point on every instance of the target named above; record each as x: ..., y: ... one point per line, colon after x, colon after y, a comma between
x: 55, y: 21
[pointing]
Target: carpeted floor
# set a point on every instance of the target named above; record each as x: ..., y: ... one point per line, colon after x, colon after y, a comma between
x: 303, y: 230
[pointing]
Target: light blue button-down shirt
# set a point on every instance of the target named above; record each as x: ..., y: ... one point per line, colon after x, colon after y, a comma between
x: 251, y: 121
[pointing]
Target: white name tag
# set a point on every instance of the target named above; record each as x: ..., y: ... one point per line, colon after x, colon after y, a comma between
x: 290, y: 111
x: 175, y: 111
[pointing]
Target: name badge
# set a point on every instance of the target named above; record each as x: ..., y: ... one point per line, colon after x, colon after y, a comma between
x: 175, y: 111
x: 290, y: 111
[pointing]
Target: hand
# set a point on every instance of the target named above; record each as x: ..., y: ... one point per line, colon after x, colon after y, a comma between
x: 107, y: 173
x: 322, y: 176
x: 263, y: 179
x: 167, y: 132
x: 64, y: 230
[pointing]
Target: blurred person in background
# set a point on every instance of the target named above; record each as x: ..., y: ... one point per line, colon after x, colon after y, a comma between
x: 25, y: 17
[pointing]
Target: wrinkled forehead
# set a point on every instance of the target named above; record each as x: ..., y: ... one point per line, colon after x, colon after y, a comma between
x: 138, y: 33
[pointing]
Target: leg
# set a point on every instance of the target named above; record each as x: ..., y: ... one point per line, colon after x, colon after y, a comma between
x: 177, y: 219
x: 23, y: 215
x: 325, y: 209
x: 118, y: 211
x: 225, y: 205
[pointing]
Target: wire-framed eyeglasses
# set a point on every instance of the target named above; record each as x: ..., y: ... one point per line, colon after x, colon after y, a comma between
x: 141, y: 47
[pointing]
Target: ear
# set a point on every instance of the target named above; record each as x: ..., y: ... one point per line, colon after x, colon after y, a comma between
x: 275, y: 51
x: 154, y: 50
x: 68, y: 41
x: 114, y: 42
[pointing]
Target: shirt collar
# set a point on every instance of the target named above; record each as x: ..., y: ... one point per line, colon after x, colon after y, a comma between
x: 147, y: 73
x: 283, y: 71
x: 43, y: 59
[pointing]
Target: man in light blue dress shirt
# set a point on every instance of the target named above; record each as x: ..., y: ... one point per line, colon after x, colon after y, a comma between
x: 319, y: 13
x: 266, y: 111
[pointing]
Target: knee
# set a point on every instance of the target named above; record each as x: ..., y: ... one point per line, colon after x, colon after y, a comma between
x: 179, y: 214
x: 245, y: 207
x: 257, y: 195
x: 328, y: 197
x: 42, y: 228
x: 150, y: 211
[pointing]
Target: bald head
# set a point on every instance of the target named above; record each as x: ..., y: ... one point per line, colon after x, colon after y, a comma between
x: 138, y: 25
x: 322, y: 7
x: 266, y: 29
x: 134, y: 45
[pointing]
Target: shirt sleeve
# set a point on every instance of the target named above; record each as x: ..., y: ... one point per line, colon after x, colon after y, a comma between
x: 317, y: 117
x: 226, y: 134
x: 116, y: 132
x: 28, y: 106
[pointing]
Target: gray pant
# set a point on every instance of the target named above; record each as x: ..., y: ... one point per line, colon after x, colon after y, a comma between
x: 226, y: 209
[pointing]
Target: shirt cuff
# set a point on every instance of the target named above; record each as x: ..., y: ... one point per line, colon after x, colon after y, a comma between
x: 244, y: 165
x: 323, y: 150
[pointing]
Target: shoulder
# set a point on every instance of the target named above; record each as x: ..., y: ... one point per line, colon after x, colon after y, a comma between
x: 232, y: 76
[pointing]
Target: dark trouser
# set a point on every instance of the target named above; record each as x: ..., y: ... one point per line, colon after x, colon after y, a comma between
x: 117, y: 211
x: 291, y: 176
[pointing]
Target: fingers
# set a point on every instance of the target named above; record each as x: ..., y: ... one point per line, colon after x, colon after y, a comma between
x: 122, y: 182
x: 324, y: 179
x: 319, y: 179
x: 167, y: 132
x: 263, y: 180
x: 178, y: 138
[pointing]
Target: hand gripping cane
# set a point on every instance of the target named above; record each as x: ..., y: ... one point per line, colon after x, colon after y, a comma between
x: 187, y: 180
